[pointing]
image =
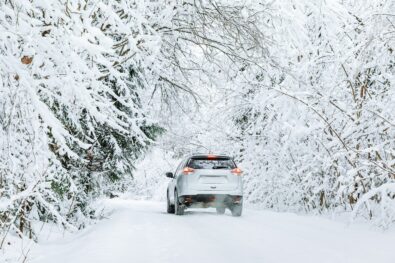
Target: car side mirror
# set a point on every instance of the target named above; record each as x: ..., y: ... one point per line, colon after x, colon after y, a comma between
x: 170, y: 175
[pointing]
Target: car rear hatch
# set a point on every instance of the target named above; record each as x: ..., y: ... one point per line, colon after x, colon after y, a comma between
x: 213, y: 173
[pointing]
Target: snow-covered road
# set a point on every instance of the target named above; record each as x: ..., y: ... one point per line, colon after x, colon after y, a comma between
x: 141, y: 231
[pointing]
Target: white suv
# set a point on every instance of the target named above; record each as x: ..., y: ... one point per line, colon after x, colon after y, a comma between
x: 206, y: 180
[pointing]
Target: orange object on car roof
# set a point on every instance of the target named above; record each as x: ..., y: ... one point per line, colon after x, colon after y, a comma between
x: 211, y: 156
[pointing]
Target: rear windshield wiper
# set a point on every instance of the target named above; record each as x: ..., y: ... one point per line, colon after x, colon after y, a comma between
x: 220, y: 167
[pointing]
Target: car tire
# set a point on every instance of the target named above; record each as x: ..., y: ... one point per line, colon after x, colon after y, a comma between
x: 170, y: 207
x: 178, y: 208
x: 220, y: 210
x: 237, y: 210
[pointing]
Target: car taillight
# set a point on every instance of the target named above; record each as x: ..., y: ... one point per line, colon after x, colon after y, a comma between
x: 188, y: 170
x: 237, y: 171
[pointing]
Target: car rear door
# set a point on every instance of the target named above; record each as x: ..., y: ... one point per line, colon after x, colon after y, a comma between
x: 173, y: 182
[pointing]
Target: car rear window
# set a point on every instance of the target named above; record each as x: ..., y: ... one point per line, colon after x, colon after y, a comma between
x: 211, y: 163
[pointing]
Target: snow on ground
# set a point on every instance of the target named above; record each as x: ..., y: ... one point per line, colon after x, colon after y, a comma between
x: 141, y: 231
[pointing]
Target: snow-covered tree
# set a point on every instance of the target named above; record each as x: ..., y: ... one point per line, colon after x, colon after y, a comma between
x: 74, y: 76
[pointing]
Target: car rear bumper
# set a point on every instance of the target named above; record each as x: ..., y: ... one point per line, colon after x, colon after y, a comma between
x: 190, y: 191
x: 210, y: 200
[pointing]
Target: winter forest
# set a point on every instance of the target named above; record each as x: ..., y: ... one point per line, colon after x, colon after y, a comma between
x: 98, y: 98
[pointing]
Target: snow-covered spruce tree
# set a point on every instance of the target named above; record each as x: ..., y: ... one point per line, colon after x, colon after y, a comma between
x: 73, y: 77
